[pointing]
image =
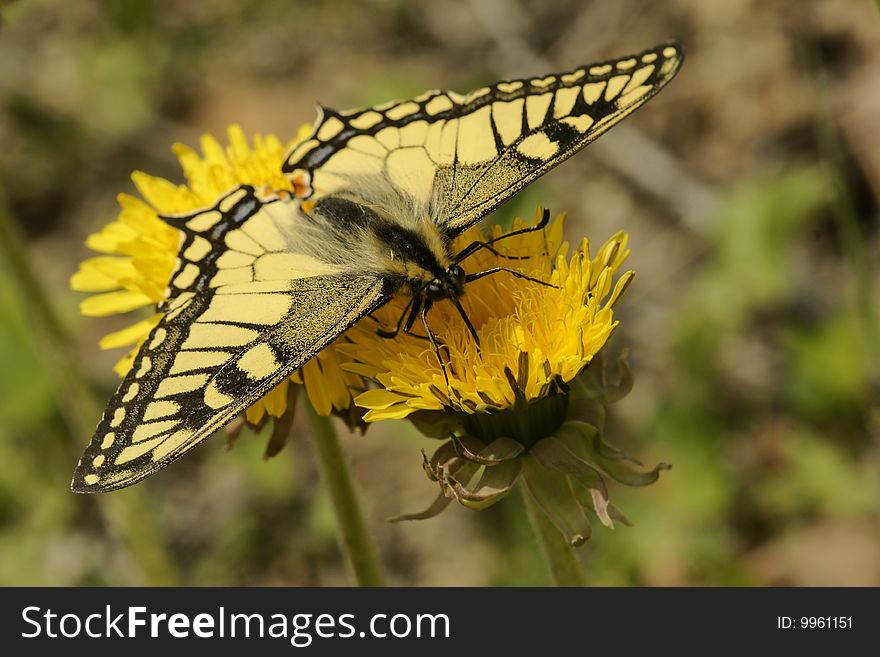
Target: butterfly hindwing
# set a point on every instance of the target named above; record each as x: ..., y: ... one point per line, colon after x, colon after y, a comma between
x: 236, y: 324
x: 471, y: 153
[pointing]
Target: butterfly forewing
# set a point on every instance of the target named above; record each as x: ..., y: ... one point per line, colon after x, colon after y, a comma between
x: 468, y: 154
x: 237, y: 322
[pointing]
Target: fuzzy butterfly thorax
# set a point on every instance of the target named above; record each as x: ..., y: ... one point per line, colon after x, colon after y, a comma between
x: 263, y: 282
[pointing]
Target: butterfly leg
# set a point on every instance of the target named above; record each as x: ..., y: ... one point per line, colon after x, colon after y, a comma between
x: 382, y: 333
x: 476, y: 246
x: 410, y: 313
x: 434, y: 343
x: 467, y: 322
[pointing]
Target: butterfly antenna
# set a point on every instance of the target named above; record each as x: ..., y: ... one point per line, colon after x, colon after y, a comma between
x: 494, y: 270
x: 476, y: 246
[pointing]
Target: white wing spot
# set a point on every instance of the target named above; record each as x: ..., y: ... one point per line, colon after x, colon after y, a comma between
x: 329, y: 129
x: 186, y: 277
x: 438, y: 104
x: 402, y: 110
x: 204, y: 221
x: 366, y: 120
x: 146, y: 364
x: 158, y: 338
x: 199, y: 248
x: 118, y: 417
x: 543, y: 83
x: 479, y: 93
x: 538, y: 146
x: 258, y: 362
x: 574, y: 76
x: 131, y: 393
x: 509, y: 87
x: 580, y: 123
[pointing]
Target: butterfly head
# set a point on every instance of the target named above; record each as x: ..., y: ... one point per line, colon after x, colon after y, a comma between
x: 448, y: 286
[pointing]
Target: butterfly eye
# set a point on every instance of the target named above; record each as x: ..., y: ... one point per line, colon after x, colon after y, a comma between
x: 456, y: 273
x: 435, y: 291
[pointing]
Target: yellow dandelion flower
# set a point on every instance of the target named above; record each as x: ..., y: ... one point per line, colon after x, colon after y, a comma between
x: 518, y: 404
x: 139, y: 250
x: 552, y: 330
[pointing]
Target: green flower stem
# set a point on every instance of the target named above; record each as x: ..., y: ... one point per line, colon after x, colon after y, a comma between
x: 560, y: 557
x: 353, y: 535
x: 124, y: 515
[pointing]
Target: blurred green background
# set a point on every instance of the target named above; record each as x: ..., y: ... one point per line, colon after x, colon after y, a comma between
x: 749, y: 188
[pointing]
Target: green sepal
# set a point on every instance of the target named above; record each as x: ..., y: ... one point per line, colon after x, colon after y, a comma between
x: 434, y: 424
x: 436, y: 507
x: 553, y: 495
x: 587, y: 444
x: 499, y: 450
x: 494, y: 484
